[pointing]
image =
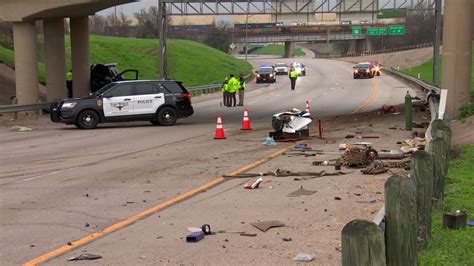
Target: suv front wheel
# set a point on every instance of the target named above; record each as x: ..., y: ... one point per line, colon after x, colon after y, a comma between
x: 167, y: 116
x: 87, y: 119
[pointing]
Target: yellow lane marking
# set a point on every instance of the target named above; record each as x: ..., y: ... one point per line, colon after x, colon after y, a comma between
x: 372, y: 95
x: 138, y: 216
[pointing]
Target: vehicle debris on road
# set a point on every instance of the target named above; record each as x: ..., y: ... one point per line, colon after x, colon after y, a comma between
x: 266, y: 225
x: 301, y: 192
x: 375, y: 168
x: 303, y: 256
x: 85, y: 256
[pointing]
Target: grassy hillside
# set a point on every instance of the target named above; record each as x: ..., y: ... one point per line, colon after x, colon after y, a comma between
x: 426, y: 71
x: 276, y: 49
x: 192, y: 62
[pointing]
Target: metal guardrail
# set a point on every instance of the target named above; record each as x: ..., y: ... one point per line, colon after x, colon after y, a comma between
x: 418, y: 82
x: 196, y: 90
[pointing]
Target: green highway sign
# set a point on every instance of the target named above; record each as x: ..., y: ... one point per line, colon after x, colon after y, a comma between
x: 392, y: 13
x: 396, y: 29
x: 377, y: 31
x: 356, y: 30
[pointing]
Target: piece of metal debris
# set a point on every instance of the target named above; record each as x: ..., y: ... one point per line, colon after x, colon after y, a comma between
x: 301, y: 192
x: 264, y: 226
x: 85, y: 256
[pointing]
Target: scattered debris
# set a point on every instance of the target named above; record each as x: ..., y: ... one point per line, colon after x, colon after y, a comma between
x: 375, y: 168
x: 367, y: 200
x: 303, y: 256
x: 249, y: 234
x: 388, y: 109
x: 349, y: 136
x: 320, y: 174
x: 22, y: 129
x: 286, y: 239
x: 195, y: 236
x: 286, y: 173
x: 359, y: 157
x: 290, y: 125
x: 264, y: 226
x: 390, y: 154
x: 369, y: 137
x: 253, y: 184
x: 421, y: 125
x: 85, y: 256
x: 454, y: 220
x: 300, y: 192
x: 142, y: 257
x: 337, y: 198
x: 412, y: 145
x: 269, y: 141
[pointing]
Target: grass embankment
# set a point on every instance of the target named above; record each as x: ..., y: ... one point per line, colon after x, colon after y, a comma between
x: 454, y: 247
x: 426, y: 71
x: 188, y: 61
x: 276, y: 49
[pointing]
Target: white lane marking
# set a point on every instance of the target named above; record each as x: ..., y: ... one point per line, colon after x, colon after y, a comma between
x: 48, y: 174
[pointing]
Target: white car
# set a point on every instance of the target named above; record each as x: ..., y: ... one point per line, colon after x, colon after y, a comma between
x: 281, y: 68
x: 300, y: 68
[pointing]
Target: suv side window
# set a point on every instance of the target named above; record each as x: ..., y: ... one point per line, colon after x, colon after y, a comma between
x: 145, y: 88
x: 173, y: 87
x: 120, y: 90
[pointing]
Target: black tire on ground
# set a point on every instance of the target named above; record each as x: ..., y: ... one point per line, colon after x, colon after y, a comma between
x: 167, y: 116
x: 355, y: 77
x: 378, y: 73
x: 87, y: 119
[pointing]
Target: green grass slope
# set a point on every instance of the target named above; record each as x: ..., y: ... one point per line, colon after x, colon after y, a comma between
x: 426, y: 71
x: 188, y: 61
x: 454, y: 247
x: 276, y: 49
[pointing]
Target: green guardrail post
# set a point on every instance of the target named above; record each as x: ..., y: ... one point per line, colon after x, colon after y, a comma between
x: 408, y: 111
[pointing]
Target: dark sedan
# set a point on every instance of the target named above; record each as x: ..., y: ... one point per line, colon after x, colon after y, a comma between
x: 364, y: 70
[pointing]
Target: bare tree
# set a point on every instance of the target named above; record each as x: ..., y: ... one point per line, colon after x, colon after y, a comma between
x: 220, y: 37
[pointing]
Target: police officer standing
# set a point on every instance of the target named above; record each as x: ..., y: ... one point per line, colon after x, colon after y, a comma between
x: 293, y: 76
x: 69, y: 83
x: 241, y: 90
x: 233, y: 85
x: 225, y: 92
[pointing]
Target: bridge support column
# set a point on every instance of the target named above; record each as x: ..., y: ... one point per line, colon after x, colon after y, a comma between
x: 289, y: 49
x: 456, y: 55
x: 55, y: 58
x: 356, y: 46
x: 26, y: 65
x: 80, y: 56
x: 368, y: 45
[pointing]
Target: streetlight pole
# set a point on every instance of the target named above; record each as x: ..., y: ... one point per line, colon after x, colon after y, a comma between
x: 246, y: 35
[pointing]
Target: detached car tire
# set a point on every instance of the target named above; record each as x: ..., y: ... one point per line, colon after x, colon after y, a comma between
x: 87, y: 119
x: 167, y: 116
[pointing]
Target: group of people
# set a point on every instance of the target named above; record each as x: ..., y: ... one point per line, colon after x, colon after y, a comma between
x: 230, y: 87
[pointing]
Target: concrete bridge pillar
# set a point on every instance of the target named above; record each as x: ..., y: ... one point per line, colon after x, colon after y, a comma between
x: 289, y: 49
x: 26, y: 66
x: 80, y: 56
x: 456, y: 55
x: 55, y: 58
x: 357, y: 46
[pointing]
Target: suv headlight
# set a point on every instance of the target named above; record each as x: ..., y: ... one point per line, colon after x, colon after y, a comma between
x: 69, y: 105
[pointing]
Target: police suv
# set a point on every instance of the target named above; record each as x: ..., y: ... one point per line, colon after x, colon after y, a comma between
x: 161, y: 102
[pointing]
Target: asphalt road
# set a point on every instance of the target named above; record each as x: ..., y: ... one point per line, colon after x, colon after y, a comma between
x: 58, y: 184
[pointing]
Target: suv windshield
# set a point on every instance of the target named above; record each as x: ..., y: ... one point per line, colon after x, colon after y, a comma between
x: 265, y: 70
x: 363, y: 65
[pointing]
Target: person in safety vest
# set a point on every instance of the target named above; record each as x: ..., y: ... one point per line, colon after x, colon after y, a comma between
x: 69, y: 83
x: 225, y: 92
x: 293, y: 76
x: 241, y: 90
x: 233, y: 85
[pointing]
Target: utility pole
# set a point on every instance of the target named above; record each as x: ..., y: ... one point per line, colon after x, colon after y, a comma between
x: 437, y: 43
x: 246, y: 34
x: 162, y: 27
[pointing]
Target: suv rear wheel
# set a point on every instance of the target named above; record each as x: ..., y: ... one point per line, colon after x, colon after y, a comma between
x: 87, y: 119
x: 167, y: 116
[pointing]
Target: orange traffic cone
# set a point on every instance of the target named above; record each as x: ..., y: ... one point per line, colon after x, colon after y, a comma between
x: 246, y: 121
x: 219, y: 128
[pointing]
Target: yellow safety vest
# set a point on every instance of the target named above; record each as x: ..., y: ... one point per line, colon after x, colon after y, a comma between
x: 233, y: 85
x: 242, y: 85
x: 293, y: 74
x: 69, y: 75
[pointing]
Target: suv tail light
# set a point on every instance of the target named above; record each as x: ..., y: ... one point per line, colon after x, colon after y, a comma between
x: 186, y: 95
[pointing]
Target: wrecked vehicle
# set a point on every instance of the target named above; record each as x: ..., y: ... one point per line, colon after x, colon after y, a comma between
x: 291, y: 125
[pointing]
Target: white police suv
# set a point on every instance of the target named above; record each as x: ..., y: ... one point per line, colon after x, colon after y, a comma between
x: 161, y: 102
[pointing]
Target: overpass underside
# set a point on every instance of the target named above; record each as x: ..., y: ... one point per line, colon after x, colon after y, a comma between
x: 24, y: 14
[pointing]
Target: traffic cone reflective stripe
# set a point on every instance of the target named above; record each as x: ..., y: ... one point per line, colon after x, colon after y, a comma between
x: 246, y: 121
x: 219, y: 128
